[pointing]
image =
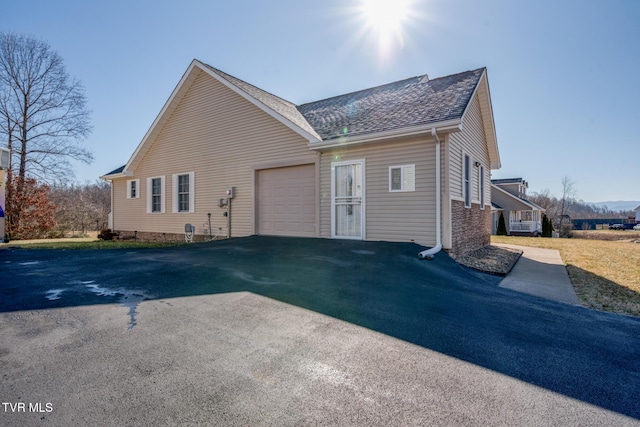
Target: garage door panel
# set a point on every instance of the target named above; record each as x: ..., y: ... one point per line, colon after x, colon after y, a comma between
x: 287, y: 201
x: 293, y: 192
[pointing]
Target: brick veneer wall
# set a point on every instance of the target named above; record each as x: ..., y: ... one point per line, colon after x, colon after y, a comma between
x: 144, y: 236
x: 470, y: 228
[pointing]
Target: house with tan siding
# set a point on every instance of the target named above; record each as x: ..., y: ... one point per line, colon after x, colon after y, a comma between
x: 409, y: 161
x: 509, y: 198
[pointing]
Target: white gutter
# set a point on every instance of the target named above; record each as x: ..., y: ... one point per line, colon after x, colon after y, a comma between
x: 429, y: 253
x: 116, y: 175
x: 443, y: 127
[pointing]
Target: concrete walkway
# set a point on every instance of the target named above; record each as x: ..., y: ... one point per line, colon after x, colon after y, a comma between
x: 542, y: 273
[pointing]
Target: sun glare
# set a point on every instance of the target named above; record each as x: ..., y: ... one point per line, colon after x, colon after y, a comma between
x: 385, y: 16
x: 384, y: 19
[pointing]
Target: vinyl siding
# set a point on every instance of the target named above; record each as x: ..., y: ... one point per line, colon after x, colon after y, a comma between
x: 460, y: 221
x: 471, y: 141
x: 221, y: 137
x: 390, y: 216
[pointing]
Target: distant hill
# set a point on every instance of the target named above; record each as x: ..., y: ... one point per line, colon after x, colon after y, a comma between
x: 619, y: 205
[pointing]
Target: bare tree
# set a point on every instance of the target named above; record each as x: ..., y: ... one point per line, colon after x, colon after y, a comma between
x: 43, y: 113
x: 81, y: 207
x: 568, y: 195
x: 546, y: 201
x: 566, y: 204
x: 43, y: 116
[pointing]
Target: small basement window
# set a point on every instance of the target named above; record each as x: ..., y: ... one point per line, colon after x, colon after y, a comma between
x: 402, y: 178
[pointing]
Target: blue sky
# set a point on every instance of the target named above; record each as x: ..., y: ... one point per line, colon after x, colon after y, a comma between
x: 562, y: 74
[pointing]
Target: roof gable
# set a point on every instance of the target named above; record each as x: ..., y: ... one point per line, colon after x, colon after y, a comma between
x: 401, y: 108
x: 517, y: 203
x: 285, y: 109
x: 281, y: 110
x: 486, y: 110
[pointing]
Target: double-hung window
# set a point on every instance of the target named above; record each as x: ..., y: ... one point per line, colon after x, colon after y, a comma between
x: 466, y: 180
x: 155, y: 195
x: 184, y: 192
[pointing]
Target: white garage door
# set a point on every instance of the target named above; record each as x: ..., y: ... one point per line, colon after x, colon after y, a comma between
x: 287, y: 201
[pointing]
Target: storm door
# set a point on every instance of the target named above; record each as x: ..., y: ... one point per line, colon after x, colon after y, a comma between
x: 347, y: 200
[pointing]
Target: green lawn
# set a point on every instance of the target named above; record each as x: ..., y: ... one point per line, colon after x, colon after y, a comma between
x: 604, y: 273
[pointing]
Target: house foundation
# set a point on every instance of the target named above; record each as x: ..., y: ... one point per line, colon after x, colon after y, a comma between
x: 145, y: 236
x: 472, y: 228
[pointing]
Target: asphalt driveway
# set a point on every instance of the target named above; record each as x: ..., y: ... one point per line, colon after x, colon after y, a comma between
x: 286, y: 331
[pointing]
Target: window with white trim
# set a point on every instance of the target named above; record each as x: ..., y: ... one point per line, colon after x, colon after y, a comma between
x: 155, y: 195
x: 184, y: 192
x: 466, y: 180
x: 133, y: 189
x: 402, y: 178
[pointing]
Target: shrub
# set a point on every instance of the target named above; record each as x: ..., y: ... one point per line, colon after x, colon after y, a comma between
x: 502, y: 227
x: 546, y: 226
x: 29, y: 212
x: 107, y: 234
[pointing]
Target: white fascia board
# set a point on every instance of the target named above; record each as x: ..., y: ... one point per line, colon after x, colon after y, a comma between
x: 475, y: 92
x: 306, y: 135
x: 494, y: 154
x: 113, y: 176
x: 123, y: 174
x: 446, y: 126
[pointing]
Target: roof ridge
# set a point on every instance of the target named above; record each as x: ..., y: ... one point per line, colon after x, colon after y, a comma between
x: 362, y: 90
x: 418, y: 78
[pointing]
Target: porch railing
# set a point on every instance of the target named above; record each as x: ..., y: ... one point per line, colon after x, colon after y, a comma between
x: 525, y: 226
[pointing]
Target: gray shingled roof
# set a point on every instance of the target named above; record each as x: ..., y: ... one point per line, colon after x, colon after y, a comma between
x: 283, y: 107
x: 406, y: 103
x: 119, y: 170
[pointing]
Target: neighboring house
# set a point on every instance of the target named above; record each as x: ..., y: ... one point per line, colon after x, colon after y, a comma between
x: 521, y: 216
x: 637, y: 213
x: 357, y: 166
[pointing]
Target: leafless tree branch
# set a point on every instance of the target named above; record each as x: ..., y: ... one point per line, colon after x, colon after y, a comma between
x: 43, y: 110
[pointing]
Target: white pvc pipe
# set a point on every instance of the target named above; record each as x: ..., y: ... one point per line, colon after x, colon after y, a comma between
x: 429, y: 253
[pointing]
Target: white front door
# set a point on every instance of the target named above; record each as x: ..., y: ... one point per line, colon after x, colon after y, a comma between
x: 347, y: 199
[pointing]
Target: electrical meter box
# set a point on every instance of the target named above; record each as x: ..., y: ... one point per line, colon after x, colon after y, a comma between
x: 231, y: 192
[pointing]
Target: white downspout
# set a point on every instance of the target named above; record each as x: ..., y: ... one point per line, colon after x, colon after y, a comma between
x: 429, y: 253
x: 110, y: 217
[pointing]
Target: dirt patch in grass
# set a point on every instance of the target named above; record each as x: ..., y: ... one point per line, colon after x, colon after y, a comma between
x: 604, y: 273
x: 492, y: 259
